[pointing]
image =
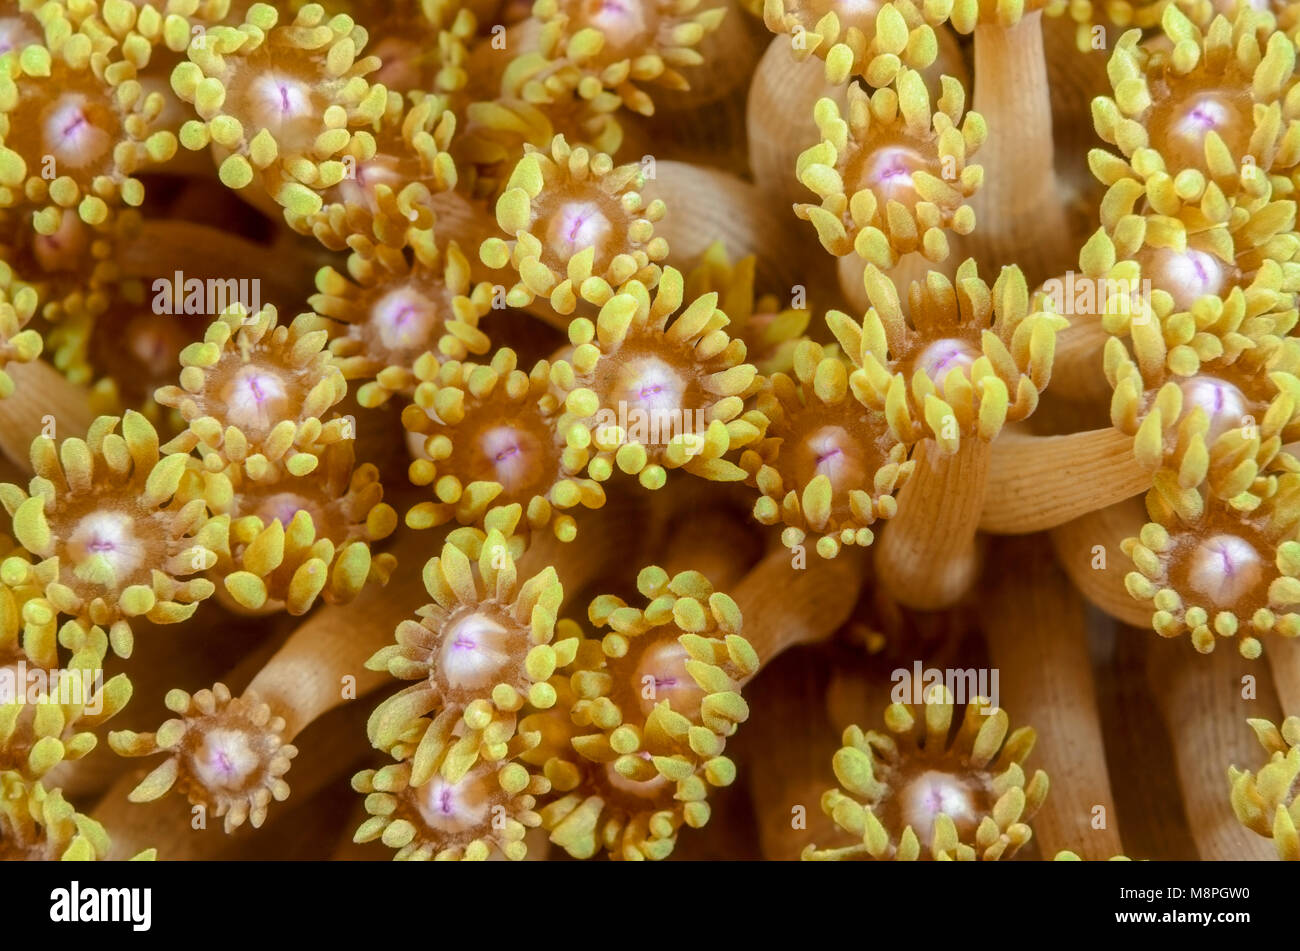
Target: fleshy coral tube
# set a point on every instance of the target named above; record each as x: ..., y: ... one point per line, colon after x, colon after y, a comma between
x: 1036, y: 629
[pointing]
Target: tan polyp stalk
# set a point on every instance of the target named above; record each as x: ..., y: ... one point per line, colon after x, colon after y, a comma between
x: 1076, y: 543
x: 1200, y: 700
x: 1284, y: 661
x: 1078, y: 373
x: 164, y: 246
x: 729, y: 53
x: 1037, y: 635
x: 780, y: 119
x: 1039, y: 482
x: 926, y: 557
x: 707, y: 205
x: 717, y: 544
x: 785, y: 750
x: 40, y: 391
x: 1019, y: 209
x: 784, y: 606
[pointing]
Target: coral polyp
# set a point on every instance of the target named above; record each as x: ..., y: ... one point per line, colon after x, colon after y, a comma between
x: 545, y: 429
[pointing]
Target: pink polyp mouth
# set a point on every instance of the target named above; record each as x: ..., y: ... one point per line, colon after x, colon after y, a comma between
x: 256, y: 400
x: 512, y: 455
x: 284, y: 106
x: 621, y: 21
x: 1224, y: 569
x: 932, y: 794
x: 107, y: 535
x: 1189, y: 276
x: 662, y: 675
x: 1223, y: 403
x: 834, y: 455
x: 577, y: 226
x: 474, y: 653
x: 71, y: 135
x: 943, y: 356
x: 224, y: 760
x: 888, y: 172
x: 404, y: 319
x: 454, y: 807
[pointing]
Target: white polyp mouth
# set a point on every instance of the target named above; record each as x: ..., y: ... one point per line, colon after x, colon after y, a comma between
x: 661, y: 675
x: 255, y: 400
x: 455, y: 807
x: 404, y: 318
x: 652, y: 386
x: 156, y: 344
x: 1200, y: 117
x: 110, y: 536
x: 474, y: 652
x: 71, y: 134
x: 1190, y: 275
x: 934, y: 793
x: 360, y: 190
x: 943, y: 356
x: 510, y: 452
x: 62, y: 250
x: 834, y: 455
x: 1224, y: 404
x: 281, y: 507
x: 281, y: 103
x: 577, y: 225
x: 15, y: 34
x: 1224, y: 568
x: 889, y: 173
x: 225, y: 759
x: 620, y: 20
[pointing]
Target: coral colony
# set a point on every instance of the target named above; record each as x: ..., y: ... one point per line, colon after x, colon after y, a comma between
x: 639, y: 429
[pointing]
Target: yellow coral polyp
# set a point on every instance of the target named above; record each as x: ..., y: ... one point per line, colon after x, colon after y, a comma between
x: 483, y: 813
x: 648, y: 389
x: 1265, y: 801
x: 872, y: 39
x: 1208, y: 108
x: 653, y: 703
x: 18, y: 344
x: 76, y: 125
x: 47, y: 708
x: 489, y: 440
x: 963, y: 360
x: 497, y: 131
x: 612, y: 46
x: 38, y: 824
x: 279, y: 102
x: 891, y: 176
x: 116, y: 527
x: 255, y: 393
x: 826, y: 464
x: 579, y: 228
x: 224, y: 753
x: 390, y: 174
x: 1218, y: 571
x: 481, y: 650
x: 306, y: 538
x: 913, y: 791
x: 396, y: 305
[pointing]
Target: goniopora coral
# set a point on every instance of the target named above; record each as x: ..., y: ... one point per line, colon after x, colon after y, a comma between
x: 537, y: 430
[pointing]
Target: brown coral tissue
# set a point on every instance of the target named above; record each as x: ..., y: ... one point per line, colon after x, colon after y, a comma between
x: 650, y: 429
